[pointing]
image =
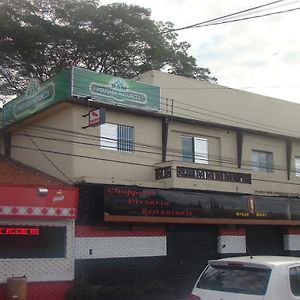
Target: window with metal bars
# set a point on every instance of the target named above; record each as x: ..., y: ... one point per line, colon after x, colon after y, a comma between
x: 116, y: 137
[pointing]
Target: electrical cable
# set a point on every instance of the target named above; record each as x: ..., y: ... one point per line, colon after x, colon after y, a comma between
x: 193, y: 110
x: 181, y: 107
x: 171, y: 152
x: 137, y: 146
x: 218, y: 20
x: 86, y: 136
x: 97, y: 145
x: 211, y: 158
x: 218, y: 115
x: 126, y: 162
x: 47, y: 158
x: 248, y: 18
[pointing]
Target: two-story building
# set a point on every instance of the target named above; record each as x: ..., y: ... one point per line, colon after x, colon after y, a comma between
x: 171, y: 171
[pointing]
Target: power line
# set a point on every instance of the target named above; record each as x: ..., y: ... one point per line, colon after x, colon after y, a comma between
x: 211, y: 158
x: 122, y: 162
x: 248, y: 18
x: 47, y: 158
x: 236, y: 121
x: 219, y: 158
x: 222, y: 19
x: 222, y: 116
x: 219, y: 115
x: 171, y: 151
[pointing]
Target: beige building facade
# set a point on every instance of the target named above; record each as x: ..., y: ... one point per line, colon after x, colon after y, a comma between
x: 252, y: 123
x: 199, y: 165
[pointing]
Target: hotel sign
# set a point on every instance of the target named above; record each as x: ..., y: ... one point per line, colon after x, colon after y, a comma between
x: 118, y: 90
x: 105, y: 88
x: 37, y: 97
x: 78, y: 82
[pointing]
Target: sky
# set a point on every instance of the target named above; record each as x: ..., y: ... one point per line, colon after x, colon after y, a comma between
x: 260, y: 55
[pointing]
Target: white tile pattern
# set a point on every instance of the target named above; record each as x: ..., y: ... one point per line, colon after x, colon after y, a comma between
x: 231, y: 244
x: 291, y: 242
x: 113, y: 247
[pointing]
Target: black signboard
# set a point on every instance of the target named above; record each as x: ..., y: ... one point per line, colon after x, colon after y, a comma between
x: 140, y: 202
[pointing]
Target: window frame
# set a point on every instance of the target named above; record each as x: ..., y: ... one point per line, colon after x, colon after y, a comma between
x: 216, y: 278
x: 191, y: 155
x: 120, y: 137
x: 291, y: 281
x: 297, y: 166
x: 260, y: 165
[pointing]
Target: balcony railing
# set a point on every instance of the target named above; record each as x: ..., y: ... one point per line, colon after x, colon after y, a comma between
x: 202, y: 174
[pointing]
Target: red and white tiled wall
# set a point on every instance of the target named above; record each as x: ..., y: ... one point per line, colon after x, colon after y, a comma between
x: 93, y: 242
x: 231, y: 241
x: 291, y: 241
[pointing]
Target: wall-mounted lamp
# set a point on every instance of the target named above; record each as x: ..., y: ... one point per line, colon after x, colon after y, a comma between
x: 42, y: 191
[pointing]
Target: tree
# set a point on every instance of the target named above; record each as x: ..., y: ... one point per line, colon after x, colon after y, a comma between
x: 38, y: 38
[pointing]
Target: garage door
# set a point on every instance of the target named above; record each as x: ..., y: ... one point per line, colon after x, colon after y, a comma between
x: 264, y: 240
x: 188, y: 250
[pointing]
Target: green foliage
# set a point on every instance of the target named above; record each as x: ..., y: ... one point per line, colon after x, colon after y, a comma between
x: 38, y: 38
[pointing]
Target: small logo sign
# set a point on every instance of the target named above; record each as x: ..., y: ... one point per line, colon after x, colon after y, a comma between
x: 59, y: 196
x: 94, y: 117
x: 252, y: 205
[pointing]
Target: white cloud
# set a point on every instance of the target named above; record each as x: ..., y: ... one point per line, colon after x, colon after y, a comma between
x: 260, y: 55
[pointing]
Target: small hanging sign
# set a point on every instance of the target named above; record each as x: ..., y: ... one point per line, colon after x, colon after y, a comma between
x: 96, y: 117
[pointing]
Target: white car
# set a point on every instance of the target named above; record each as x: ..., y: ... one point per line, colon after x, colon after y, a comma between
x: 249, y: 278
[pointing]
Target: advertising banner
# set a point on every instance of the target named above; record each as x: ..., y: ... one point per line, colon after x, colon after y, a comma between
x: 82, y: 83
x: 38, y: 97
x: 109, y: 89
x: 157, y: 203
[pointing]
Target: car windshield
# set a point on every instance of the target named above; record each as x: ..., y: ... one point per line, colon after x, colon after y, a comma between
x: 235, y: 279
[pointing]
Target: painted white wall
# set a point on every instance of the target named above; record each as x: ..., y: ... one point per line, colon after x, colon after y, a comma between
x: 114, y: 247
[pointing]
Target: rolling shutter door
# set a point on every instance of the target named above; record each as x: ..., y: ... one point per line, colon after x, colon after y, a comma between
x: 264, y: 240
x: 188, y: 250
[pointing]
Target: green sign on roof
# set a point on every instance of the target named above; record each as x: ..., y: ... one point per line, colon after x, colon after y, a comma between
x: 79, y: 82
x: 107, y: 88
x: 38, y: 97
